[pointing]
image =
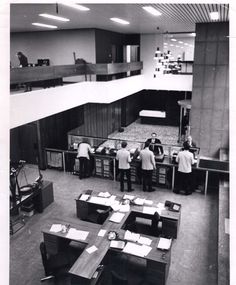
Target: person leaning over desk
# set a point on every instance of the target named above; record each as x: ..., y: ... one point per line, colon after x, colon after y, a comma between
x: 153, y: 141
x: 124, y: 159
x: 185, y: 161
x: 84, y: 149
x: 147, y: 164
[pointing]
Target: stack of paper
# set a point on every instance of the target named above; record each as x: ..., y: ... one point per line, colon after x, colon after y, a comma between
x: 101, y: 233
x: 164, y: 243
x: 129, y: 197
x: 56, y: 228
x: 115, y: 206
x: 144, y: 240
x: 139, y: 201
x: 117, y: 244
x: 116, y: 217
x: 149, y: 210
x: 98, y: 200
x: 148, y: 202
x: 104, y: 194
x: 84, y: 197
x: 161, y: 206
x: 136, y: 249
x: 91, y: 249
x: 131, y: 236
x: 124, y: 208
x: 76, y: 234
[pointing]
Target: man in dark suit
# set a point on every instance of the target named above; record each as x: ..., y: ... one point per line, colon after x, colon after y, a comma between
x: 157, y: 149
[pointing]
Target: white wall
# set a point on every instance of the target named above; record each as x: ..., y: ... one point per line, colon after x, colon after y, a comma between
x: 58, y: 46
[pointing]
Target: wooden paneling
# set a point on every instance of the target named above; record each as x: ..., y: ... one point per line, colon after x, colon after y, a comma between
x: 210, y: 96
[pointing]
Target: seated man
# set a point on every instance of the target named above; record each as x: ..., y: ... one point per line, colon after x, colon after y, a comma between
x: 157, y: 150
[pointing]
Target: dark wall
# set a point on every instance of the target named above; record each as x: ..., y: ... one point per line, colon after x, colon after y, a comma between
x: 210, y: 99
x: 101, y: 119
x: 131, y: 106
x: 104, y: 40
x: 24, y: 143
x: 54, y: 128
x: 164, y: 101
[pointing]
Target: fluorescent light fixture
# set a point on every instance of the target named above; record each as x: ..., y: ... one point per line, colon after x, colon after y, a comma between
x: 173, y: 40
x: 120, y: 21
x: 165, y: 43
x: 193, y: 34
x: 44, y: 25
x: 152, y: 10
x: 214, y: 16
x: 185, y: 44
x: 75, y: 6
x: 177, y: 46
x: 180, y: 42
x: 171, y: 45
x: 53, y: 17
x: 181, y: 47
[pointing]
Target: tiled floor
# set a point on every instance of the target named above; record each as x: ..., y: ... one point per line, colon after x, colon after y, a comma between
x: 194, y: 253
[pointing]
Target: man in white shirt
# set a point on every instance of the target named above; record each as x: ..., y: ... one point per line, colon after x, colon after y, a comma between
x: 185, y: 161
x: 148, y: 164
x: 124, y: 159
x: 84, y: 150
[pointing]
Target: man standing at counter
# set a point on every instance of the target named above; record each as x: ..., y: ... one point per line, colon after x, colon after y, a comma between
x: 84, y: 150
x: 153, y: 141
x: 124, y: 159
x: 148, y: 164
x: 185, y: 161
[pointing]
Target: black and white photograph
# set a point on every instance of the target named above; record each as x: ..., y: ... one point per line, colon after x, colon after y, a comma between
x: 116, y: 142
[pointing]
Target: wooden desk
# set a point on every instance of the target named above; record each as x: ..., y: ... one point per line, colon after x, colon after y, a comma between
x: 157, y: 261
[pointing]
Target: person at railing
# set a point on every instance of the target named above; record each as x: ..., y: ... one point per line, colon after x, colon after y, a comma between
x: 24, y: 63
x: 124, y: 159
x: 153, y: 141
x: 147, y: 165
x: 185, y: 161
x: 84, y: 150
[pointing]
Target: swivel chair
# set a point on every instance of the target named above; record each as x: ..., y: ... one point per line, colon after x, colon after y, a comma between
x: 55, y: 266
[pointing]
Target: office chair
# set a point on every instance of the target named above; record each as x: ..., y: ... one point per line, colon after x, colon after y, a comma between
x: 118, y: 279
x: 55, y: 266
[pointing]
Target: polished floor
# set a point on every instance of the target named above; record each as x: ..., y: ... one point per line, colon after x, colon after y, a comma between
x: 194, y: 253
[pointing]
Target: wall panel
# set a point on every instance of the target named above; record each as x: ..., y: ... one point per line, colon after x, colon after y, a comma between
x: 210, y: 96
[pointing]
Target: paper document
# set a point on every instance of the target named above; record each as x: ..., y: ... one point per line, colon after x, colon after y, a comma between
x: 131, y: 236
x: 104, y: 194
x: 139, y: 201
x: 149, y: 210
x: 101, y: 233
x: 117, y: 244
x: 116, y: 217
x: 161, y: 206
x: 115, y: 206
x: 91, y: 249
x: 56, y: 228
x: 124, y: 208
x: 148, y: 202
x: 77, y: 234
x: 98, y: 200
x: 144, y: 240
x: 164, y: 243
x: 84, y: 197
x: 136, y: 249
x: 129, y: 197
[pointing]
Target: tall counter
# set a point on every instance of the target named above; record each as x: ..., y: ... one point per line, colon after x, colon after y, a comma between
x: 206, y: 171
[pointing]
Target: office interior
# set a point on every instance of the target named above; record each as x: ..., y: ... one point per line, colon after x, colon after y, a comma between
x: 104, y: 82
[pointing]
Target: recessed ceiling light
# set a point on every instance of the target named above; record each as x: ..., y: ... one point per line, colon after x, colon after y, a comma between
x: 53, y: 17
x: 214, y: 16
x: 152, y: 10
x: 193, y: 34
x: 173, y: 40
x: 120, y: 21
x: 75, y: 6
x: 44, y: 25
x: 180, y: 42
